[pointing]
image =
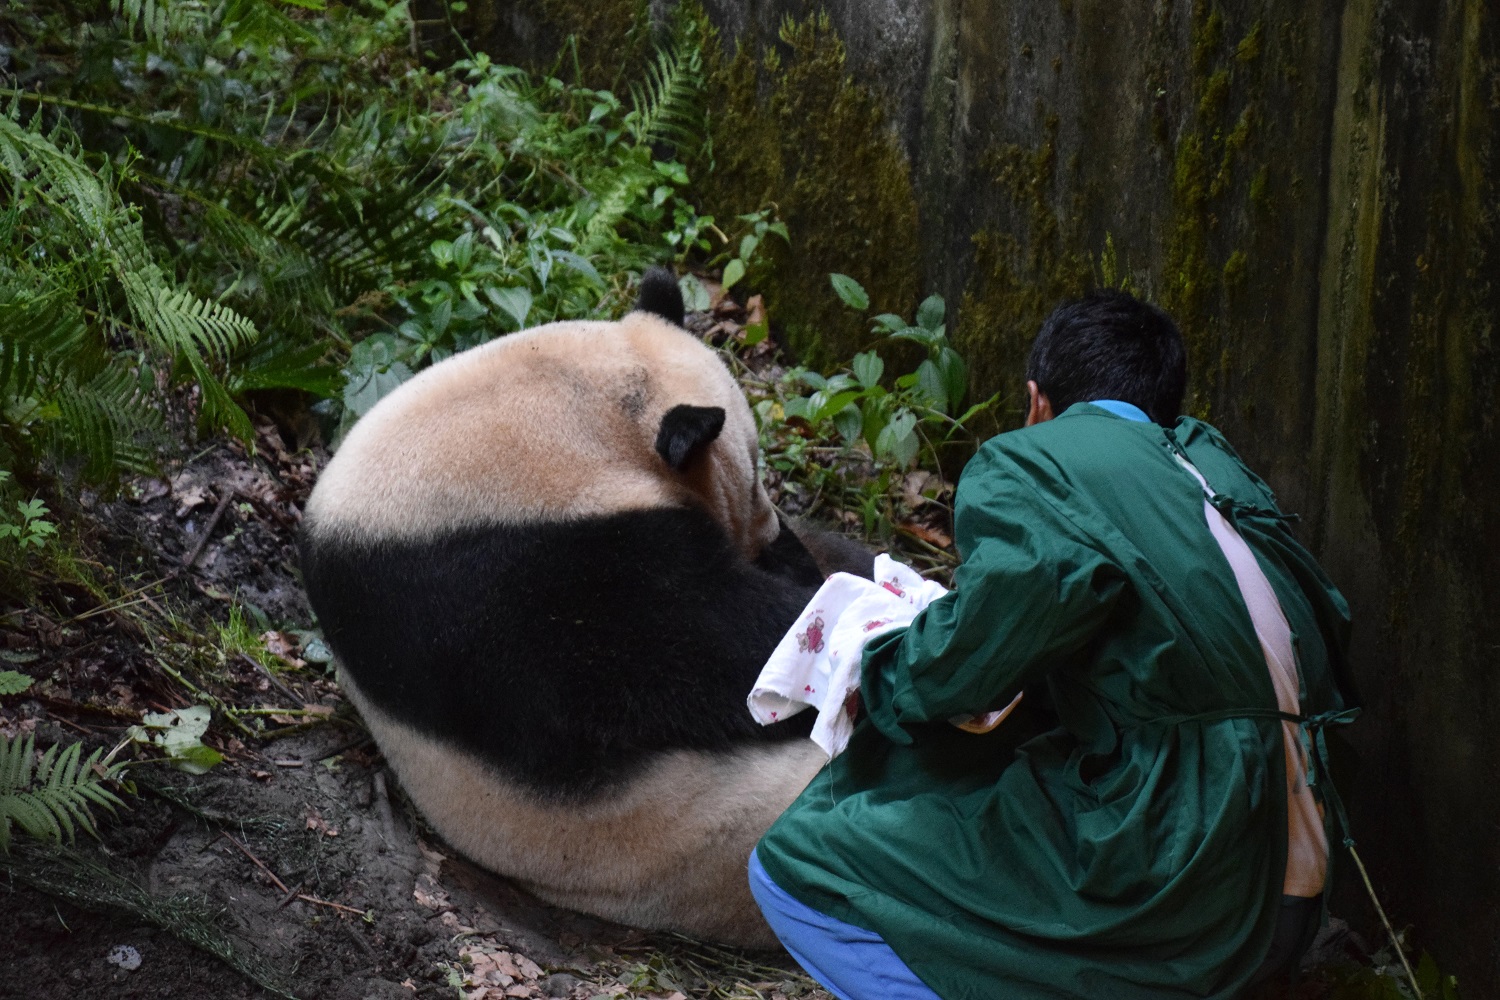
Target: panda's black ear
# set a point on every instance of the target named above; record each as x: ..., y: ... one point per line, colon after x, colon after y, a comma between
x: 685, y: 430
x: 660, y: 295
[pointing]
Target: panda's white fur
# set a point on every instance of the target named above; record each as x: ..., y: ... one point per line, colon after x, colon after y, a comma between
x: 460, y: 443
x: 524, y: 445
x: 668, y: 850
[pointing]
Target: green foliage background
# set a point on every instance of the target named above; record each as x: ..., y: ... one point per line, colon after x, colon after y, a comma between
x: 202, y: 201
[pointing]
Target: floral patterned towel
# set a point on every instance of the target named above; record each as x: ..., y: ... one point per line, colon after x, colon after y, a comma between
x: 817, y: 662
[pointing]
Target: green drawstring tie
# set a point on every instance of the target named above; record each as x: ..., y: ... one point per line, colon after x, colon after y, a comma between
x: 1319, y: 773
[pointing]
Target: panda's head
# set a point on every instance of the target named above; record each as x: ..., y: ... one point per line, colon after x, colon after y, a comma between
x: 565, y: 421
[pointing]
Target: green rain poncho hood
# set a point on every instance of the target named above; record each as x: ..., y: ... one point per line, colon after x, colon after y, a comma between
x: 1128, y: 854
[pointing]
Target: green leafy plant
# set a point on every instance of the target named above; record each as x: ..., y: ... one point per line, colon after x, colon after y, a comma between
x: 192, y: 206
x: 91, y: 316
x: 29, y: 528
x: 742, y: 252
x: 179, y: 735
x: 14, y: 682
x: 913, y: 414
x: 51, y: 797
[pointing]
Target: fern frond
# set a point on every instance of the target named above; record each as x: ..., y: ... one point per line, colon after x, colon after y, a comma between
x: 170, y: 322
x: 667, y: 105
x: 106, y: 420
x: 159, y: 20
x: 44, y: 333
x: 51, y: 798
x: 279, y: 363
x: 612, y: 209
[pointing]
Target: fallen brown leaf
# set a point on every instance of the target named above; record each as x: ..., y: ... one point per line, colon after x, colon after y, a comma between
x: 931, y: 536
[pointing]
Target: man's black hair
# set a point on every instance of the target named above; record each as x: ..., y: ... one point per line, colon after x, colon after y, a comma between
x: 1111, y: 345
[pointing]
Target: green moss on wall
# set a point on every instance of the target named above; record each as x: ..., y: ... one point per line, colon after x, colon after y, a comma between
x: 1202, y: 271
x: 792, y: 130
x: 612, y: 39
x: 1017, y: 280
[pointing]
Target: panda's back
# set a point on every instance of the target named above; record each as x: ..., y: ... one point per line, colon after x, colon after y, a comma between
x: 501, y: 560
x: 539, y: 425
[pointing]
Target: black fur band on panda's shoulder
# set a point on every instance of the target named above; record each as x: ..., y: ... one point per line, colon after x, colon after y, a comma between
x: 564, y: 654
x: 661, y: 296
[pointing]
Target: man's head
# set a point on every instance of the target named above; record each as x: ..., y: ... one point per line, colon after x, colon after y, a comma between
x: 1107, y: 345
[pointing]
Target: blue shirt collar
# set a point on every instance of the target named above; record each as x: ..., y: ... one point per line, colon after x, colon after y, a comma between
x: 1122, y: 409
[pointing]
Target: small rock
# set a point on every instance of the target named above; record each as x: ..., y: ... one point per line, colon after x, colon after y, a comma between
x: 125, y: 957
x: 559, y: 984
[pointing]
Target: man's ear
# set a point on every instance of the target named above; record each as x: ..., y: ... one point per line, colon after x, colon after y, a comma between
x: 1040, y: 407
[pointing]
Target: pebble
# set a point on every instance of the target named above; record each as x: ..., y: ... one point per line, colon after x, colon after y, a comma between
x: 125, y: 957
x: 559, y: 984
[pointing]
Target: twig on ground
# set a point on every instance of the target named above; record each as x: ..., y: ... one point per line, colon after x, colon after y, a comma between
x: 291, y: 895
x: 1395, y: 941
x: 275, y: 681
x: 383, y: 810
x: 345, y: 747
x: 208, y: 529
x: 359, y: 940
x: 123, y: 601
x: 258, y: 862
x: 331, y: 905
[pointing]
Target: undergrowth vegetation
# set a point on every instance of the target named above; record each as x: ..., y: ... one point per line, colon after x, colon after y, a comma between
x: 203, y: 201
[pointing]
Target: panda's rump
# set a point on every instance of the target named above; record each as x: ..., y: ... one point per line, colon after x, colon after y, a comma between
x: 565, y: 655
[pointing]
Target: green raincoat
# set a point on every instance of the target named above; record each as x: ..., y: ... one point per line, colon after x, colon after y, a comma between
x: 1136, y: 851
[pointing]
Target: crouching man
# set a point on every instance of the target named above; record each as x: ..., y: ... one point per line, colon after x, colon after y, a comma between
x: 1165, y: 839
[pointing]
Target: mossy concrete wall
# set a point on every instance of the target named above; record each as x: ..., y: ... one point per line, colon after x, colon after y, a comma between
x: 1312, y: 189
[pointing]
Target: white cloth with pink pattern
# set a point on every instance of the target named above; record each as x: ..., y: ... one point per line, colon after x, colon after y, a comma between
x: 816, y: 664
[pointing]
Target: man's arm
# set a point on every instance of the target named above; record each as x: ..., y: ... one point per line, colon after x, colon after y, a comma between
x: 1032, y: 589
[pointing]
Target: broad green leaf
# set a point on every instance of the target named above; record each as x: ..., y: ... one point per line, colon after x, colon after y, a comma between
x: 932, y: 387
x: 850, y: 291
x: 695, y: 297
x: 916, y: 333
x: 955, y: 377
x: 930, y: 312
x: 440, y: 317
x: 889, y: 323
x: 578, y: 263
x: 812, y: 378
x: 515, y: 302
x: 868, y: 368
x: 834, y: 404
x: 463, y: 251
x: 978, y: 408
x: 733, y: 272
x: 850, y: 423
x: 898, y: 439
x: 368, y: 386
x: 747, y: 246
x: 196, y: 759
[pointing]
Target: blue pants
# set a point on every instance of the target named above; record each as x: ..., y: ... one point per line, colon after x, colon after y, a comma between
x: 851, y: 962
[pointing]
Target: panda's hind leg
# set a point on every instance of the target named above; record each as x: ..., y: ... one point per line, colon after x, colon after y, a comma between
x: 664, y: 849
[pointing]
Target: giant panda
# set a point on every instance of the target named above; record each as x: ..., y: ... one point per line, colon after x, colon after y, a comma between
x: 550, y: 574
